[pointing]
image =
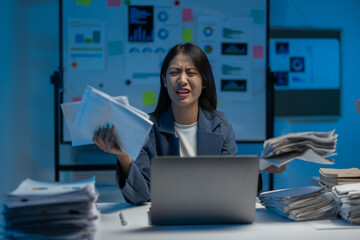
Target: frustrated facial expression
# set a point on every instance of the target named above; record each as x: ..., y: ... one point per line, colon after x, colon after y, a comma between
x: 183, y: 82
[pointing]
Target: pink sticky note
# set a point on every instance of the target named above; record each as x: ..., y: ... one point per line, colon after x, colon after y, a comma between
x: 76, y: 99
x: 258, y: 51
x: 113, y: 3
x: 187, y: 15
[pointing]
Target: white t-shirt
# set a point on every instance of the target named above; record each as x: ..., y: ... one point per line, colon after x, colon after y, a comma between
x: 187, y: 139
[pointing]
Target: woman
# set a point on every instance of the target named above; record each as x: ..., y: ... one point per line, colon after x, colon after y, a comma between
x: 186, y: 122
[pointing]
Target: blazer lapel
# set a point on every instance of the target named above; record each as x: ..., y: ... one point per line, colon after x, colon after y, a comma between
x: 169, y: 142
x: 208, y: 141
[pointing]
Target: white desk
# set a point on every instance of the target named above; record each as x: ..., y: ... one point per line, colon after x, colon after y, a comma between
x: 267, y: 226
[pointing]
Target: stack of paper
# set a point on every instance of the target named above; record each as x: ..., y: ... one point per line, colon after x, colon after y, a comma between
x: 132, y: 126
x: 348, y: 197
x: 301, y: 204
x: 308, y: 146
x: 45, y: 210
x: 330, y: 177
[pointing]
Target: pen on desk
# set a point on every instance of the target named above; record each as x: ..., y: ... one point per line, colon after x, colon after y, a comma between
x: 122, y: 219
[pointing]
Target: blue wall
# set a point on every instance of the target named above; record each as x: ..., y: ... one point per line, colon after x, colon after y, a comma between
x: 326, y: 14
x: 29, y: 55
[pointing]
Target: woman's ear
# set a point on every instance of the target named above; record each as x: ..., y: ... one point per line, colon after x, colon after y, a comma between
x: 163, y: 79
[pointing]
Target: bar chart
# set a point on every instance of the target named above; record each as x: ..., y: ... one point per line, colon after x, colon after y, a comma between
x: 141, y: 24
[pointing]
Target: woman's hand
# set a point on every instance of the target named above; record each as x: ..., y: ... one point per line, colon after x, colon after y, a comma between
x: 274, y: 169
x: 105, y: 138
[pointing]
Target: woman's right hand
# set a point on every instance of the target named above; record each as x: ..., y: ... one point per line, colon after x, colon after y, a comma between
x: 105, y: 138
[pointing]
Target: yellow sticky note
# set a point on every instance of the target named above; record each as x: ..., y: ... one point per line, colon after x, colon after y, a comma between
x: 149, y: 98
x: 187, y: 35
x: 83, y: 2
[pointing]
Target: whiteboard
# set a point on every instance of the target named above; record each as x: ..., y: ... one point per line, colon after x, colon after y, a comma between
x: 118, y: 47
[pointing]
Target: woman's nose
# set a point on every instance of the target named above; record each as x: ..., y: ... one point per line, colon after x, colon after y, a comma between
x: 183, y: 77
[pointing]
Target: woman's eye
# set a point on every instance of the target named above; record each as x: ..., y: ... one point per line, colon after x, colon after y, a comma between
x: 191, y: 74
x: 174, y: 73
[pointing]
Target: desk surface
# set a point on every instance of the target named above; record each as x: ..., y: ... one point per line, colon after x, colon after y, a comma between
x: 267, y: 226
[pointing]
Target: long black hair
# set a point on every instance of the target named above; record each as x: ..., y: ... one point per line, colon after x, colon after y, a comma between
x: 208, y: 97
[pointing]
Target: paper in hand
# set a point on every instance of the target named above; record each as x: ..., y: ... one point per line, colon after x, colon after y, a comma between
x: 95, y: 109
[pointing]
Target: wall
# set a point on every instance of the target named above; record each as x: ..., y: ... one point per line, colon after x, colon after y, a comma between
x: 5, y: 59
x: 327, y: 14
x: 29, y: 55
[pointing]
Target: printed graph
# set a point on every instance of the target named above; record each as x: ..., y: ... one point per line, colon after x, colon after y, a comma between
x: 232, y: 33
x: 231, y: 70
x: 93, y: 37
x: 208, y: 31
x: 141, y: 23
x: 233, y: 85
x: 234, y: 48
x: 208, y: 48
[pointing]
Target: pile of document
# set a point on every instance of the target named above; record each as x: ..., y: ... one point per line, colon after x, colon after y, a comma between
x: 348, y: 197
x: 308, y: 146
x: 329, y: 177
x: 96, y: 108
x: 47, y: 210
x: 301, y: 204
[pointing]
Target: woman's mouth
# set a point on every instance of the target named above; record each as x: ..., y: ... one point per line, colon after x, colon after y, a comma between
x: 182, y: 92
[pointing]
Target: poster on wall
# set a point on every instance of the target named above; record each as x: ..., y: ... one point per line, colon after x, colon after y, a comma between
x: 160, y: 26
x: 300, y: 64
x: 86, y: 44
x: 227, y: 42
x: 141, y: 24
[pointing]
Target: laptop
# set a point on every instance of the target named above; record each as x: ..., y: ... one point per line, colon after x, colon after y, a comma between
x: 203, y: 189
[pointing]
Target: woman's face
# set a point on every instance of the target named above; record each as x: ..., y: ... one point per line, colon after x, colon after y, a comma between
x: 183, y: 81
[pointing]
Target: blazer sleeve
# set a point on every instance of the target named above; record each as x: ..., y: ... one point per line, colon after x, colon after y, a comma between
x: 136, y: 187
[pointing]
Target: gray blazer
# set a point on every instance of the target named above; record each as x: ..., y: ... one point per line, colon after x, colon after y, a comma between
x: 215, y: 136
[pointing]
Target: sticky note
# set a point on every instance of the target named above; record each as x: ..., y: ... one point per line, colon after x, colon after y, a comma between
x: 113, y: 3
x: 115, y: 48
x: 149, y: 98
x: 83, y: 2
x: 76, y: 99
x: 187, y: 35
x: 258, y: 16
x: 187, y: 15
x: 258, y: 51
